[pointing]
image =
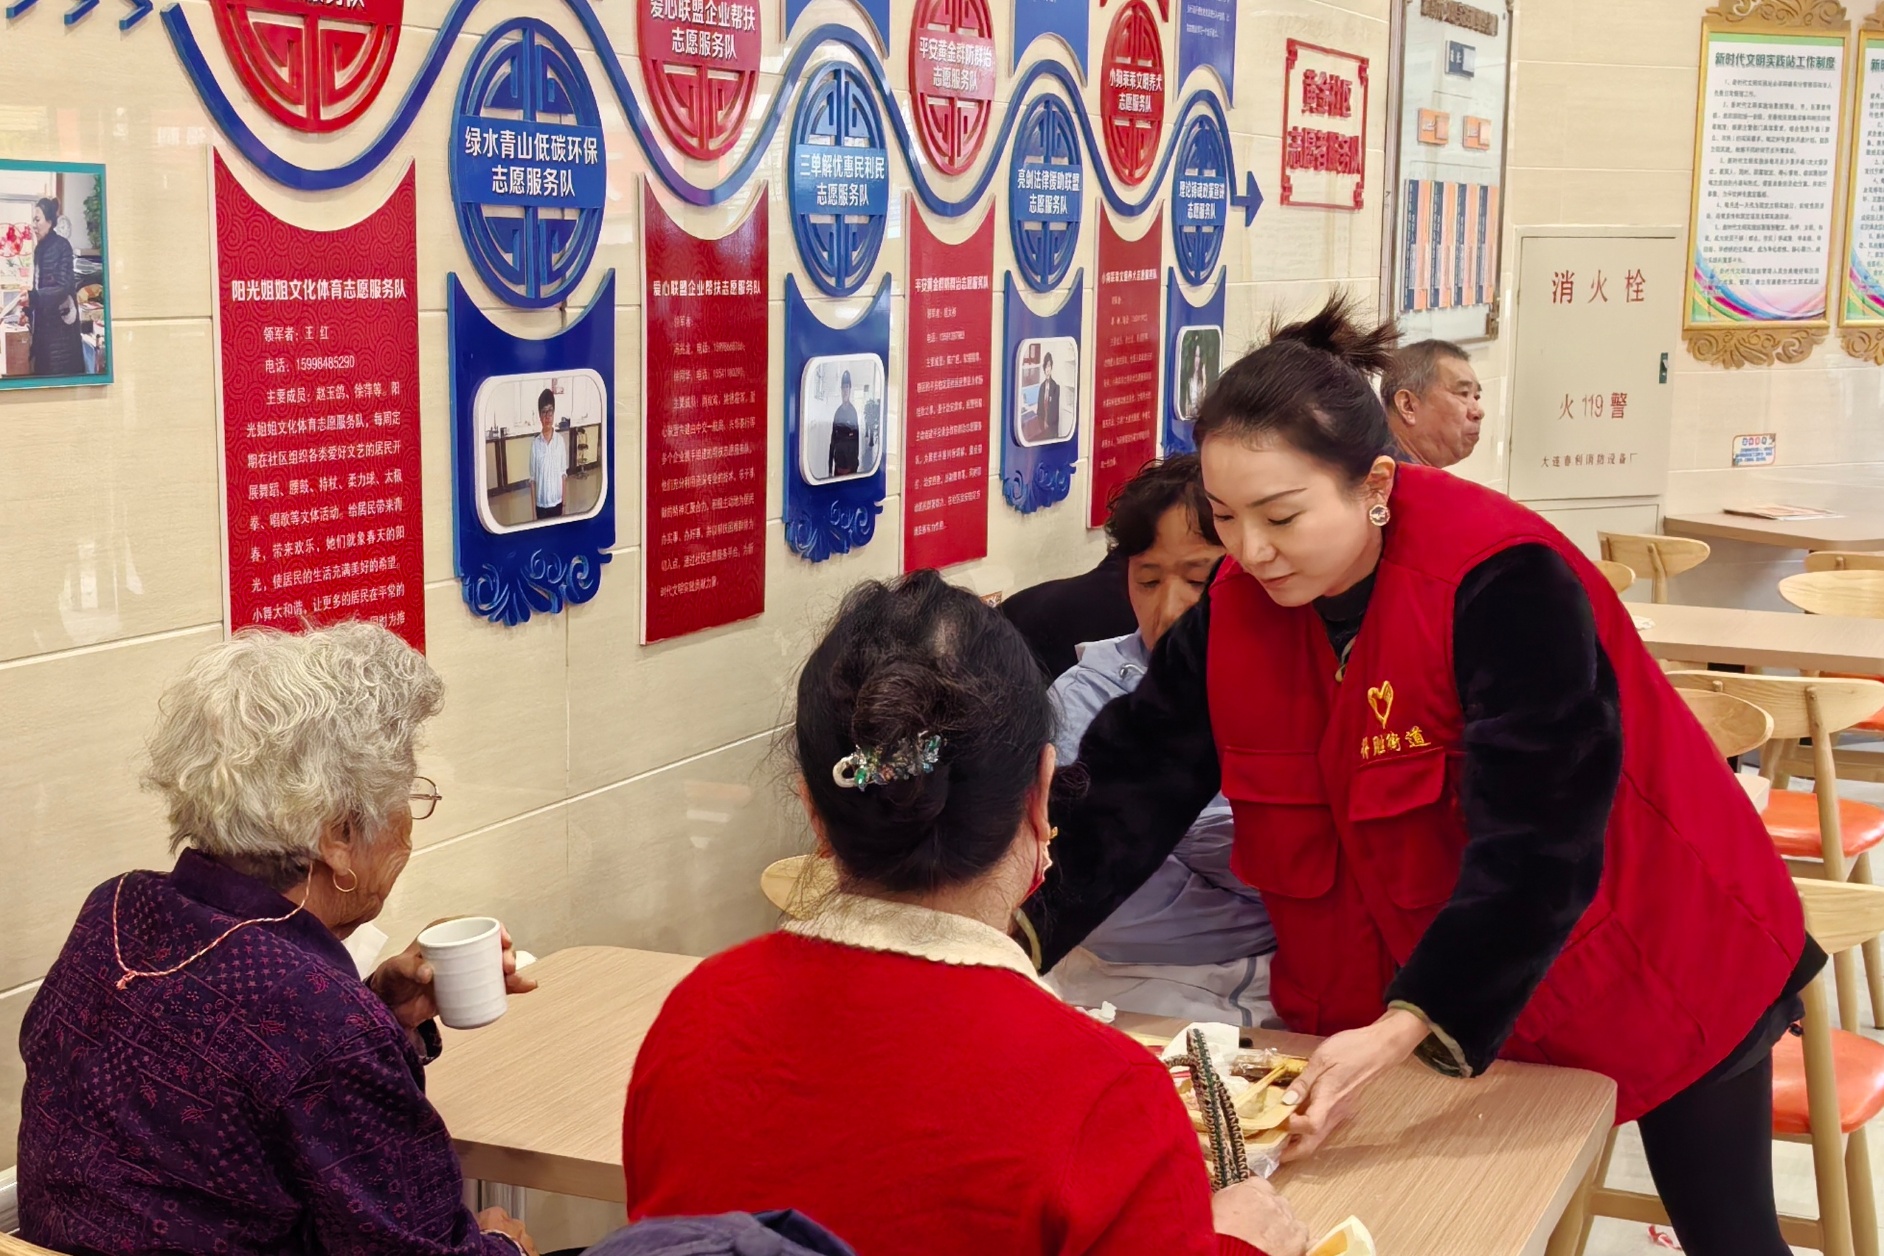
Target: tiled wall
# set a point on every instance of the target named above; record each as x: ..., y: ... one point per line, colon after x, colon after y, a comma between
x: 596, y: 790
x: 1602, y: 133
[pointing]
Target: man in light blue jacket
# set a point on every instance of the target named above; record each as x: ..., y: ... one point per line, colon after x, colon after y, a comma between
x: 1194, y: 941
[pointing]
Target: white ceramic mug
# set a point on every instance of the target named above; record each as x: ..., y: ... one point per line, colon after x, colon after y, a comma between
x: 467, y: 959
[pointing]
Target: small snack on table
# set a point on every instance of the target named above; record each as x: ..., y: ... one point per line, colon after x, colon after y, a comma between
x: 1350, y: 1238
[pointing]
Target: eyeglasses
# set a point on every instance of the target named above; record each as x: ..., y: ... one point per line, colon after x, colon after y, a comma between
x: 425, y: 796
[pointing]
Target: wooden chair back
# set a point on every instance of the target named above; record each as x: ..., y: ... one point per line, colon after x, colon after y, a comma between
x: 1799, y: 706
x: 1854, y: 593
x: 1736, y: 725
x: 796, y: 885
x: 11, y: 1246
x: 1620, y: 577
x: 1657, y: 557
x: 1844, y: 560
x: 1841, y: 915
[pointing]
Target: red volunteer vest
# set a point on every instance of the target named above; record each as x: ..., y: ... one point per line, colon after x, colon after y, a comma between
x: 1348, y: 817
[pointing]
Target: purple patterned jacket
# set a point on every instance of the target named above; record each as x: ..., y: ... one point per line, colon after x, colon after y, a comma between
x: 263, y: 1100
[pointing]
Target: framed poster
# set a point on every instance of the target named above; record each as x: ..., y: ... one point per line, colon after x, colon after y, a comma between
x: 1761, y: 221
x: 1861, y: 304
x: 55, y: 290
x: 1444, y: 196
x: 1324, y: 127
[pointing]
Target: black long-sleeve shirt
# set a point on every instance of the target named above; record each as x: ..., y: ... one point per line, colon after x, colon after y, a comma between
x: 1543, y: 754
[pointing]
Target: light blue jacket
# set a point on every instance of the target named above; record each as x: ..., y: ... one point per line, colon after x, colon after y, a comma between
x: 1193, y: 910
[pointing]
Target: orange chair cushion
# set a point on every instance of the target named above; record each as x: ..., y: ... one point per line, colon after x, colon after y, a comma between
x: 1859, y: 1063
x: 1792, y: 818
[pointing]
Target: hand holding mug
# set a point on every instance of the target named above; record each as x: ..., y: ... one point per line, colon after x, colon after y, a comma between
x: 408, y: 982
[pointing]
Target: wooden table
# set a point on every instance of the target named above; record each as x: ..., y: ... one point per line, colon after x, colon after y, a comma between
x: 1782, y: 639
x: 1861, y: 531
x: 536, y: 1098
x: 1433, y: 1166
x: 1436, y: 1166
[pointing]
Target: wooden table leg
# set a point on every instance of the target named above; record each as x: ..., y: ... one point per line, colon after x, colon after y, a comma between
x: 1573, y: 1228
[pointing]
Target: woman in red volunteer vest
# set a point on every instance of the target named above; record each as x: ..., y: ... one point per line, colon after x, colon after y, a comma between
x: 1482, y: 821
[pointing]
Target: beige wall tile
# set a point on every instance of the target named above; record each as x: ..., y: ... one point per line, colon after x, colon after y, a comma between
x: 517, y: 871
x: 116, y: 531
x: 730, y: 682
x: 71, y: 816
x: 12, y: 1072
x: 499, y: 747
x: 671, y: 861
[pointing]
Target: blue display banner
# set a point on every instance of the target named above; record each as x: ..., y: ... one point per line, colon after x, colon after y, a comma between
x: 543, y: 164
x: 1207, y: 37
x: 837, y: 426
x: 530, y: 224
x: 1040, y: 399
x: 1069, y: 20
x: 838, y: 154
x: 1193, y: 350
x: 532, y: 458
x: 1046, y: 193
x: 878, y: 11
x: 826, y: 179
x: 1200, y: 198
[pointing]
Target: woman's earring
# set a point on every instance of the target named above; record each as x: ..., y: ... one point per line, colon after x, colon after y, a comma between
x: 1379, y: 515
x: 346, y: 889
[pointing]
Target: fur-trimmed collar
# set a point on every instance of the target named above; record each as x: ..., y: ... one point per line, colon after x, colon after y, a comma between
x: 875, y: 924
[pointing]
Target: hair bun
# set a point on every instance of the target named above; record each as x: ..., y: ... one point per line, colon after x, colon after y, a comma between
x: 1337, y: 328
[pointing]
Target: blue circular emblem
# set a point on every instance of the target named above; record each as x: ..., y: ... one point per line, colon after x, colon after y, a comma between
x: 1046, y: 193
x: 840, y: 180
x: 1200, y: 198
x: 529, y: 170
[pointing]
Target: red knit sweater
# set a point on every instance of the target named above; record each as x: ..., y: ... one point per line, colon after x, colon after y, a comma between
x: 913, y: 1107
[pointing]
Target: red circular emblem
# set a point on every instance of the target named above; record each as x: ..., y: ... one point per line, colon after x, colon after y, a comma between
x: 314, y: 65
x: 1131, y: 95
x: 700, y: 64
x: 951, y: 76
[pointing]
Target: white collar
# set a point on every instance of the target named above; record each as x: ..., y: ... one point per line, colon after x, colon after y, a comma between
x: 875, y: 924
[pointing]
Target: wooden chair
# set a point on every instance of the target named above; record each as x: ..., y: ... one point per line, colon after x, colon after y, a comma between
x: 1619, y: 576
x: 1737, y: 727
x: 1818, y: 833
x: 1857, y: 592
x: 1659, y: 557
x: 1844, y: 560
x: 796, y: 885
x: 1827, y: 1086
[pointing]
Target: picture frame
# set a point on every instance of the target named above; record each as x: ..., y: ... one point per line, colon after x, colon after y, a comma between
x: 71, y: 345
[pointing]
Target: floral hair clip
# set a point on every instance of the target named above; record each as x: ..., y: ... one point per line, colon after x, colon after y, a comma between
x: 861, y: 768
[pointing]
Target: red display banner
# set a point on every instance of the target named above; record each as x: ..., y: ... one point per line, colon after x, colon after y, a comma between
x: 703, y: 522
x: 951, y: 343
x: 315, y: 65
x: 1125, y: 376
x: 1131, y: 92
x: 700, y: 63
x: 951, y: 76
x: 319, y: 334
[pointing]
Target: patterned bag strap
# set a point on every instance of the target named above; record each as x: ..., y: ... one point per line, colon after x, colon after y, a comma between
x: 1229, y: 1154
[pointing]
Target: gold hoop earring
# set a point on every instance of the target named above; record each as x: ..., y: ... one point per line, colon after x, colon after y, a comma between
x: 1379, y: 515
x: 335, y: 878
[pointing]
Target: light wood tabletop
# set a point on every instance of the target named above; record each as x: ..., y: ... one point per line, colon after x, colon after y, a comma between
x: 1436, y: 1166
x: 1782, y: 639
x: 1860, y: 531
x: 1433, y: 1166
x: 535, y: 1099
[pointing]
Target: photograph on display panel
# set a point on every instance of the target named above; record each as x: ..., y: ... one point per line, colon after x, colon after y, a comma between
x: 841, y: 399
x: 543, y: 460
x: 54, y: 302
x: 1200, y: 353
x: 1046, y: 390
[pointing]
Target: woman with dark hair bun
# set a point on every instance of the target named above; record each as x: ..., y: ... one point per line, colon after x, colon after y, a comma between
x: 891, y: 1066
x: 1482, y: 821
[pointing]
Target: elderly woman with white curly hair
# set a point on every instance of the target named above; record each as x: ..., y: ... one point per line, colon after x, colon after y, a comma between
x: 205, y: 1071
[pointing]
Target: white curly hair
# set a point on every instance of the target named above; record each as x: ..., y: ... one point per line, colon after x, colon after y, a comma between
x: 269, y: 737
